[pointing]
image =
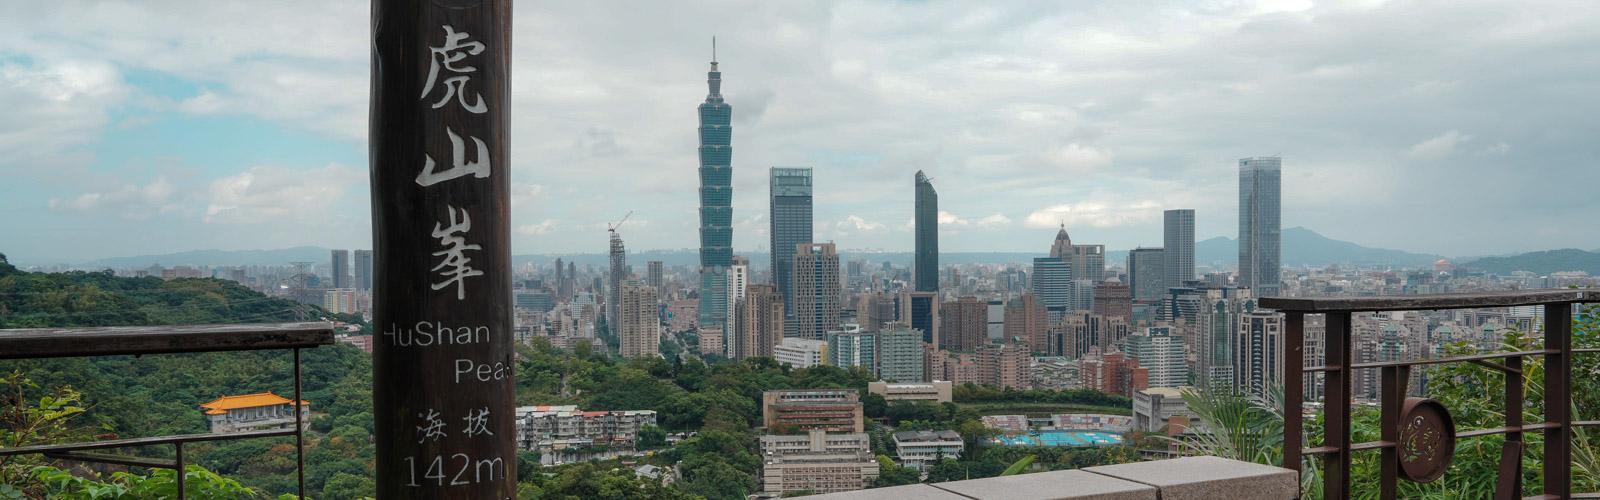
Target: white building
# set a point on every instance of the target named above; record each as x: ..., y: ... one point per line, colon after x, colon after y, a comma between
x: 919, y: 449
x: 817, y: 461
x: 1156, y: 407
x: 938, y: 391
x: 801, y: 353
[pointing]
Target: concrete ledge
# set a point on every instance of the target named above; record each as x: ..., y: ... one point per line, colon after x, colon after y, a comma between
x: 907, y: 492
x: 1187, y: 478
x: 1056, y: 485
x: 1208, y: 477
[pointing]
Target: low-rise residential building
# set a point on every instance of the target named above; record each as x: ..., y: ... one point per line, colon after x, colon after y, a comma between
x: 250, y: 412
x: 1154, y: 410
x: 1055, y: 372
x: 818, y: 461
x: 801, y: 353
x: 938, y: 391
x: 563, y: 430
x: 920, y: 449
x: 835, y: 410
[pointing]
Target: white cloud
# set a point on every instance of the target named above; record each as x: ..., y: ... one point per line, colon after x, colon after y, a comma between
x: 1093, y: 214
x: 1438, y: 147
x: 523, y: 193
x: 270, y: 194
x: 130, y: 201
x: 856, y: 223
x: 1078, y: 157
x: 994, y: 221
x: 50, y: 109
x: 545, y: 227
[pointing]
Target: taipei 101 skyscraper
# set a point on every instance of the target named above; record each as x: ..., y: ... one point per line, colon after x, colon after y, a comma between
x: 716, y: 205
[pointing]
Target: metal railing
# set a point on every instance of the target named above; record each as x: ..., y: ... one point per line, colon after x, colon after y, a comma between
x: 113, y: 341
x: 1398, y: 442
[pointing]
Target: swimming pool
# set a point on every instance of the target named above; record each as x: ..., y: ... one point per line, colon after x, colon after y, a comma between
x: 1068, y: 438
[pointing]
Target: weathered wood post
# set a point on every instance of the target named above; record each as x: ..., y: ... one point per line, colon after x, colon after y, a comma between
x: 442, y: 362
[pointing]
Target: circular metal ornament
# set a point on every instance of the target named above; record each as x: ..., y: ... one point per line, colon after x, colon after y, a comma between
x: 1427, y: 440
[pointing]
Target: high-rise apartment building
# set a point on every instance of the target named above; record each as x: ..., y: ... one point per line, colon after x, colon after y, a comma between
x: 1213, y: 325
x: 899, y: 355
x: 363, y: 269
x: 1025, y: 319
x: 655, y: 276
x: 341, y: 269
x: 760, y: 321
x: 925, y: 268
x: 716, y: 200
x: 1112, y: 373
x: 1178, y: 249
x: 1158, y: 351
x: 790, y: 204
x: 853, y: 346
x: 1147, y: 275
x: 639, y: 323
x: 616, y: 274
x: 1083, y: 331
x: 963, y: 324
x: 1260, y: 226
x: 817, y: 289
x: 1258, y: 362
x: 738, y: 282
x: 1005, y: 365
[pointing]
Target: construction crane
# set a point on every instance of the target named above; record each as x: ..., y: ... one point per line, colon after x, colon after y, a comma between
x: 612, y: 228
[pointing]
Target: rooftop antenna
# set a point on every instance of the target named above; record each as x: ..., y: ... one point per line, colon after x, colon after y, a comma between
x: 713, y: 48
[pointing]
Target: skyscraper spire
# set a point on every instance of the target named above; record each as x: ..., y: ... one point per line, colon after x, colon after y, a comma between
x: 713, y: 49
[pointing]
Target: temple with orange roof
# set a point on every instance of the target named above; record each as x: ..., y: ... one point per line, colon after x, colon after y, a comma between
x: 249, y: 412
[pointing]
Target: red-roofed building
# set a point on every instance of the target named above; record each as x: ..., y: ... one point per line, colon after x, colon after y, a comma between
x: 249, y: 412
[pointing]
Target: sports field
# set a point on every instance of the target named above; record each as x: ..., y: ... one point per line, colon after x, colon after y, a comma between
x: 1068, y: 438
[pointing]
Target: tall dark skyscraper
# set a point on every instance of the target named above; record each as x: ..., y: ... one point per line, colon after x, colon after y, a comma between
x: 1178, y: 250
x: 716, y: 199
x: 791, y: 226
x: 363, y: 269
x: 926, y: 268
x: 1260, y: 225
x: 341, y: 269
x: 617, y: 274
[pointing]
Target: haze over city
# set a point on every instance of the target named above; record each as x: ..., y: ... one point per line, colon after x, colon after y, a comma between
x: 1457, y: 128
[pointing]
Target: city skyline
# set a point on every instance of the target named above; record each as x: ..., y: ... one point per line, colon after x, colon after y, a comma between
x: 198, y: 149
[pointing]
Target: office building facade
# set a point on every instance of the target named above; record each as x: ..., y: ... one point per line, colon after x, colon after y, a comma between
x: 817, y: 290
x: 925, y: 265
x: 790, y: 225
x: 716, y: 201
x: 1178, y: 248
x: 1260, y: 226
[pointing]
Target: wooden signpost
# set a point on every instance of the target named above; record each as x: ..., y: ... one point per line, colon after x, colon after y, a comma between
x: 442, y: 359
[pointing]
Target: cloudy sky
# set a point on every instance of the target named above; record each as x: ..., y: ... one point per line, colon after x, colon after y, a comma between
x: 1456, y: 127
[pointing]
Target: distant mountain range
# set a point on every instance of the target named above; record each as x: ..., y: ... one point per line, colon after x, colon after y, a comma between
x: 1301, y: 247
x: 1546, y: 262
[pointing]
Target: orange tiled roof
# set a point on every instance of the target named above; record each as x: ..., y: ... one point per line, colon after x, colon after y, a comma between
x: 223, y: 404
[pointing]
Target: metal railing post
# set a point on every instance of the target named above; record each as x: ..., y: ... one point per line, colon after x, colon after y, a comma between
x: 1558, y: 399
x: 1293, y: 391
x: 299, y: 431
x: 1336, y: 422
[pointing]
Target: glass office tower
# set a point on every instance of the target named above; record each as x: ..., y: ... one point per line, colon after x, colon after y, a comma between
x: 716, y: 202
